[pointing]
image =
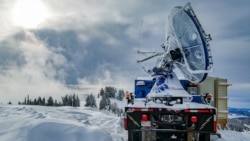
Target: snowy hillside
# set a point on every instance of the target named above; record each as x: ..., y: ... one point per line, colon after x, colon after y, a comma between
x: 41, y: 123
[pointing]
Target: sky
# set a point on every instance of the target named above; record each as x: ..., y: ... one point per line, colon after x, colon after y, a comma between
x: 57, y: 48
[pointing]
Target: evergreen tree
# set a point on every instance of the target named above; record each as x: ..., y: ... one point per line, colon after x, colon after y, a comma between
x: 104, y: 103
x: 65, y: 100
x: 120, y: 95
x: 35, y: 102
x: 101, y: 92
x: 70, y: 100
x: 55, y: 103
x: 114, y: 108
x: 74, y: 100
x: 39, y: 101
x: 110, y: 92
x: 43, y: 101
x: 50, y: 101
x: 77, y: 101
x: 28, y: 100
x: 90, y: 101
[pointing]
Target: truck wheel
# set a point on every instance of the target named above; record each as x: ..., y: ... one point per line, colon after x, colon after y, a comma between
x: 134, y: 136
x: 204, y: 137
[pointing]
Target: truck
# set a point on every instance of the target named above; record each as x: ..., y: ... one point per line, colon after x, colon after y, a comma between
x: 164, y: 108
x: 187, y: 118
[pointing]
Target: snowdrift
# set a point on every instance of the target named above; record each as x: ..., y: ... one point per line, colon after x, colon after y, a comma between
x: 56, y: 131
x: 38, y: 123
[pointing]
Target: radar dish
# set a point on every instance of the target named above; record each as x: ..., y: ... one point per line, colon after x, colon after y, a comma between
x: 186, y: 48
x: 185, y: 32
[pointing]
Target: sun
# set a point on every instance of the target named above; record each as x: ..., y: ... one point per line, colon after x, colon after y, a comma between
x: 29, y: 13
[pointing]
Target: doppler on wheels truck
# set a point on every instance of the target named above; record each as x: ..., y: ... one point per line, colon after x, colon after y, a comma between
x: 163, y: 110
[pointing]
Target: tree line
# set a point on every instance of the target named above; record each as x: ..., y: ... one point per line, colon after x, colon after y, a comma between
x: 67, y: 100
x: 105, y: 104
x: 73, y: 100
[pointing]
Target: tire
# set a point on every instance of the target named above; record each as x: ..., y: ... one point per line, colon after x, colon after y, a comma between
x: 134, y: 136
x: 204, y: 137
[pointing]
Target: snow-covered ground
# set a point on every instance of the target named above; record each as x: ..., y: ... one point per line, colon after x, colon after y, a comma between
x: 231, y: 116
x: 41, y: 123
x: 228, y: 135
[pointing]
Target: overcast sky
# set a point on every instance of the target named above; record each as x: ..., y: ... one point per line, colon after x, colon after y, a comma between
x: 78, y: 46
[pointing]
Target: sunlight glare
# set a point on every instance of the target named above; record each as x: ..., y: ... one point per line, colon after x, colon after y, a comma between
x: 29, y: 13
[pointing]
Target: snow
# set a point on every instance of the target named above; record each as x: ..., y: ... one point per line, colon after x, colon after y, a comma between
x: 231, y: 116
x: 227, y: 135
x: 42, y: 123
x: 140, y: 103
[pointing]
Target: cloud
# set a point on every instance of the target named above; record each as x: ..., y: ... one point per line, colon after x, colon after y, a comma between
x: 36, y: 75
x: 239, y: 95
x: 89, y: 44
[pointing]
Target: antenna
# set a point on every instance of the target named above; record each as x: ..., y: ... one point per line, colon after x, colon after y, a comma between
x: 186, y: 48
x: 152, y: 54
x: 139, y: 35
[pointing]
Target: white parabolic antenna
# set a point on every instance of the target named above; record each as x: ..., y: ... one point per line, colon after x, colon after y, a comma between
x: 186, y: 48
x: 186, y: 33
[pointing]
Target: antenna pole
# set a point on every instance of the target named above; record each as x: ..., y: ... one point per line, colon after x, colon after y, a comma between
x: 139, y: 35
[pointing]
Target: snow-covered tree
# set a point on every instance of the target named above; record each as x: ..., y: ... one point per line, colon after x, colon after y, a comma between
x: 71, y: 100
x: 101, y: 92
x: 114, y: 108
x: 104, y: 103
x: 110, y: 92
x: 90, y: 101
x: 120, y: 95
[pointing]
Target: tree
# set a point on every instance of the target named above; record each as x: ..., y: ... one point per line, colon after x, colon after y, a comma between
x: 104, y: 103
x: 70, y: 100
x: 43, y: 101
x: 28, y: 100
x: 39, y: 101
x: 35, y: 102
x: 101, y: 92
x: 50, y: 101
x: 114, y: 108
x: 65, y: 100
x: 110, y: 92
x: 90, y: 101
x: 120, y: 95
x: 77, y: 101
x: 74, y: 100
